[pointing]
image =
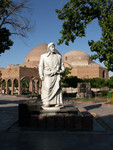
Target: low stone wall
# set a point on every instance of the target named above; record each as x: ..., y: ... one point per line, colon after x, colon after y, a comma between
x: 69, y: 90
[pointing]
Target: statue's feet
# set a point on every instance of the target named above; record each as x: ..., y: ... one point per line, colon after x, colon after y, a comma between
x: 57, y: 105
x: 46, y: 105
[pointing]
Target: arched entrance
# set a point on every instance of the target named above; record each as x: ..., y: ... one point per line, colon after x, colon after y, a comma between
x: 3, y: 87
x: 9, y: 88
x: 15, y: 82
x: 25, y: 87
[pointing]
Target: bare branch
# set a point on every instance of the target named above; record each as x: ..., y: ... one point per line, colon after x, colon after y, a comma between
x: 14, y: 18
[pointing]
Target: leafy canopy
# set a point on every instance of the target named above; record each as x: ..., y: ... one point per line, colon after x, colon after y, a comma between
x: 5, y: 41
x: 95, y: 82
x: 76, y: 14
x: 109, y: 82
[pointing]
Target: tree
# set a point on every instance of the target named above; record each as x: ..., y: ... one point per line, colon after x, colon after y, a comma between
x: 109, y: 82
x: 71, y: 81
x: 95, y: 82
x: 12, y: 21
x: 5, y: 41
x: 64, y: 76
x: 77, y: 14
x: 66, y: 73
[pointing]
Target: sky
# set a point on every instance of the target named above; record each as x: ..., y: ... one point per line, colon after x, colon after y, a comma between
x: 46, y: 28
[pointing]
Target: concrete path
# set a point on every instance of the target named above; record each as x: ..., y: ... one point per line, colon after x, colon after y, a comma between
x: 51, y: 140
x: 9, y: 110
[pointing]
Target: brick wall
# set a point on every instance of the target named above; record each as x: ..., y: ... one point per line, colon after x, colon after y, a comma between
x: 10, y: 72
x: 29, y: 72
x: 89, y: 72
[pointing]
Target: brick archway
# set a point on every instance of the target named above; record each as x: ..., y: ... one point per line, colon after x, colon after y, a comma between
x: 25, y: 83
x: 9, y: 86
x: 15, y: 86
x: 16, y: 75
x: 3, y: 86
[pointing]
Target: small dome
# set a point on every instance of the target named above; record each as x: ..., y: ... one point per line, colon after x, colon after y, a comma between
x: 77, y: 58
x: 78, y: 54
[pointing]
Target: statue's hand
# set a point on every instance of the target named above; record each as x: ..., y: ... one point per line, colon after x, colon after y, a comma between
x: 60, y: 71
x: 53, y: 73
x: 42, y: 78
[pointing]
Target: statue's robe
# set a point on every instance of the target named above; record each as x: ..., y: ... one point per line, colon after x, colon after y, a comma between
x: 50, y: 67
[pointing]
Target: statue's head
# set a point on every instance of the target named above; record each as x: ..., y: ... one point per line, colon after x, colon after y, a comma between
x: 51, y: 47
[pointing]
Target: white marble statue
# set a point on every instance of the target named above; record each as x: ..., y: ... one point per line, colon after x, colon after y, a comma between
x: 50, y: 69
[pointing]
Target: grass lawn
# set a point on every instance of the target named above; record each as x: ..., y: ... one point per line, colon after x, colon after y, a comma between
x: 111, y: 103
x: 89, y: 99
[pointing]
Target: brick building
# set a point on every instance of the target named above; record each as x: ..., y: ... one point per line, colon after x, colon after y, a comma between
x: 14, y: 76
x: 82, y: 66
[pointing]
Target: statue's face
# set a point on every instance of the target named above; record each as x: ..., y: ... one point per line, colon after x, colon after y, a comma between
x: 52, y: 48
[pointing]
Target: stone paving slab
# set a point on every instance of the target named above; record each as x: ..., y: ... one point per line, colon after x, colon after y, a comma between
x: 40, y: 140
x: 102, y: 111
x: 9, y: 110
x: 55, y: 141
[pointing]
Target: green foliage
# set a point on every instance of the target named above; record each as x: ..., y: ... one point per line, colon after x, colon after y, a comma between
x: 104, y: 93
x: 5, y: 41
x: 5, y: 34
x: 4, y: 5
x: 68, y: 81
x: 109, y: 82
x: 9, y: 83
x: 25, y: 84
x: 66, y: 72
x: 88, y: 99
x: 71, y: 81
x: 4, y: 84
x: 95, y: 82
x: 16, y: 83
x: 76, y: 14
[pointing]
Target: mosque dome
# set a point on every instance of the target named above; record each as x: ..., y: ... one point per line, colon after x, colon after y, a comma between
x: 33, y: 57
x: 76, y: 58
x: 35, y: 53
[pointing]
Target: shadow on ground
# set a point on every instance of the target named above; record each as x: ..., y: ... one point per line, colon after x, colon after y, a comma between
x: 93, y: 106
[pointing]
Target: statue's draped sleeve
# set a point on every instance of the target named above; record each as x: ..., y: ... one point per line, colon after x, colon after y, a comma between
x: 41, y: 67
x: 62, y: 66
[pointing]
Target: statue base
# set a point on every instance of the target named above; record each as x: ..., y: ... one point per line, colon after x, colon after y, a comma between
x: 66, y: 117
x: 52, y: 108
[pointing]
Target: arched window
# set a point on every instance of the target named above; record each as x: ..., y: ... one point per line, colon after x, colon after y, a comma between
x: 103, y: 74
x: 66, y: 58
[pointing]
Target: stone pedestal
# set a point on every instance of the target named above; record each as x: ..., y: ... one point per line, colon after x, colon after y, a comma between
x: 65, y: 118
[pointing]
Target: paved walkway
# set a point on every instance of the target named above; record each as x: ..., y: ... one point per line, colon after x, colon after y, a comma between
x: 60, y: 140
